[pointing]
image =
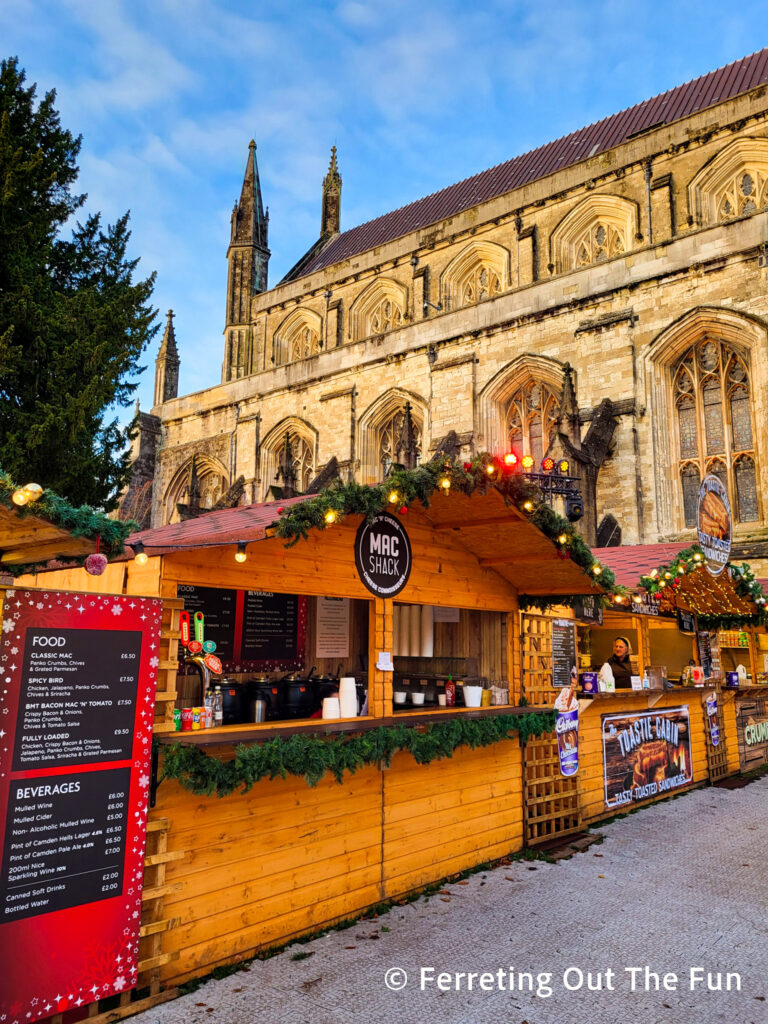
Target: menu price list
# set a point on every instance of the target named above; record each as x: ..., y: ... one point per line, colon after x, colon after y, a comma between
x: 269, y: 625
x: 64, y: 842
x: 219, y: 607
x: 78, y: 697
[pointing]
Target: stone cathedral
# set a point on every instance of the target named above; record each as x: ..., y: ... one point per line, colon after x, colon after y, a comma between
x: 603, y: 298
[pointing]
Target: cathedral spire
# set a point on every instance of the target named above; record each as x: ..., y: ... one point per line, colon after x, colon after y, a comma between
x: 330, y: 223
x: 167, y: 365
x: 249, y: 222
x: 248, y: 258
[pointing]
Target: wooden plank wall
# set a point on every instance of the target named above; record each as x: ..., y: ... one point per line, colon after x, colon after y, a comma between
x: 285, y: 859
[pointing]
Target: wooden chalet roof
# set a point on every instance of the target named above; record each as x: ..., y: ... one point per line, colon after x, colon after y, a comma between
x: 682, y: 101
x: 698, y: 591
x: 498, y: 535
x: 632, y: 561
x: 30, y: 540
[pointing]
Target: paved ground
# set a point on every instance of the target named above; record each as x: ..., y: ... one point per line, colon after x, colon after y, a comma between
x: 676, y: 888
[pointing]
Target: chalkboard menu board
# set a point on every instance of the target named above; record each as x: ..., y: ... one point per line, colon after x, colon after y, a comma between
x: 252, y: 629
x: 76, y: 712
x: 563, y: 652
x: 270, y: 624
x: 220, y: 610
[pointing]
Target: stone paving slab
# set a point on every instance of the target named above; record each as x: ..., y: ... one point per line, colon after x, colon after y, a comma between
x: 680, y: 885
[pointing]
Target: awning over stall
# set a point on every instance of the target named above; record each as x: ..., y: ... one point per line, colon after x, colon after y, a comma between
x: 498, y: 534
x: 676, y: 575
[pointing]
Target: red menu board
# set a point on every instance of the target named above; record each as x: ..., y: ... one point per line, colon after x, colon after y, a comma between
x: 78, y: 674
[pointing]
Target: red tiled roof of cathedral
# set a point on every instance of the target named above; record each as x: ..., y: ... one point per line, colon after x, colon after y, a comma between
x: 682, y: 101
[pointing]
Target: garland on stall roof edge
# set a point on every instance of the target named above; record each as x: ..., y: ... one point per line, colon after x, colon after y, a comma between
x: 80, y: 522
x: 441, y: 475
x: 692, y: 560
x: 314, y: 756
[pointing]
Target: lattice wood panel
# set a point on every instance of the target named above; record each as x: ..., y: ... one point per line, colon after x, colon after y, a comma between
x: 551, y: 801
x: 717, y: 757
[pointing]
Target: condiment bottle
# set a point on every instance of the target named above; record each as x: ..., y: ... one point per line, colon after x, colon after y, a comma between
x: 218, y: 707
x: 450, y: 692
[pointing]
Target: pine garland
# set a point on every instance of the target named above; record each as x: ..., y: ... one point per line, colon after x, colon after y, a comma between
x: 80, y: 522
x: 484, y: 472
x: 314, y: 756
x: 692, y: 560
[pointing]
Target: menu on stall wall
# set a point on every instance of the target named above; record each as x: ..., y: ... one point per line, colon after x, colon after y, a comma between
x: 252, y: 629
x: 269, y: 626
x: 332, y: 627
x: 563, y: 652
x: 220, y: 609
x: 76, y: 710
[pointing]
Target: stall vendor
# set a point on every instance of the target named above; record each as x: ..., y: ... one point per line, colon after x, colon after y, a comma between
x: 619, y: 663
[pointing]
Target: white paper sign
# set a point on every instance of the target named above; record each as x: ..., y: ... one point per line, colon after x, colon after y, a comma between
x: 447, y: 614
x: 332, y: 639
x: 384, y: 663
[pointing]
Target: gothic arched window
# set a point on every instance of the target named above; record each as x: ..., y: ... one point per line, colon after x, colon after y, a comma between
x: 394, y: 441
x: 714, y: 426
x: 482, y: 283
x: 602, y: 241
x: 385, y: 316
x: 532, y: 419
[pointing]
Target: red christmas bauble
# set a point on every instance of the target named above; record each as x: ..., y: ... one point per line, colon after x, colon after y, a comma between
x: 95, y: 564
x: 403, y: 510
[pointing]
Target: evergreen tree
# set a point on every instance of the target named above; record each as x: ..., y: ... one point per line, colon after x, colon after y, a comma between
x: 73, y: 322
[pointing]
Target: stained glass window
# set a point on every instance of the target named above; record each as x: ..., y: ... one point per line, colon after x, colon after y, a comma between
x: 532, y: 419
x: 714, y: 418
x: 393, y: 442
x: 691, y: 481
x: 746, y: 489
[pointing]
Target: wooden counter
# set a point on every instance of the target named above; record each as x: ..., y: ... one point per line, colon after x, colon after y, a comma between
x: 230, y: 735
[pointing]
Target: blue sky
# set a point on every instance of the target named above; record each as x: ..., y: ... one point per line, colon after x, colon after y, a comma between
x: 415, y: 95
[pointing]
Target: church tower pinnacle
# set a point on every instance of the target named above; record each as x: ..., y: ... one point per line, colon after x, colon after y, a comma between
x: 248, y: 258
x: 330, y: 221
x: 167, y: 365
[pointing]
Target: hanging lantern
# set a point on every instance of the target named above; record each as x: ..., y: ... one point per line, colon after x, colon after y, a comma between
x: 140, y: 556
x: 240, y: 555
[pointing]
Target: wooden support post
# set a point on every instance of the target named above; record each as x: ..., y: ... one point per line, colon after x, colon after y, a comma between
x: 514, y: 661
x: 380, y: 639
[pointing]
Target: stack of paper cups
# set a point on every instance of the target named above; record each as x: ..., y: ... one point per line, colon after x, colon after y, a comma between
x: 331, y: 707
x: 347, y: 697
x: 405, y: 630
x: 414, y: 647
x: 427, y: 632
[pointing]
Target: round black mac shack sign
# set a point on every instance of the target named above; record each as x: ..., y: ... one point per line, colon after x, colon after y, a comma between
x: 383, y: 555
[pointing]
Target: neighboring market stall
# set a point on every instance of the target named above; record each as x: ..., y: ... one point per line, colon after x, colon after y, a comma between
x: 427, y: 789
x: 680, y: 622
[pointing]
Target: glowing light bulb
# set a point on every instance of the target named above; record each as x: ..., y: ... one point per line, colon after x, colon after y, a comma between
x: 330, y: 516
